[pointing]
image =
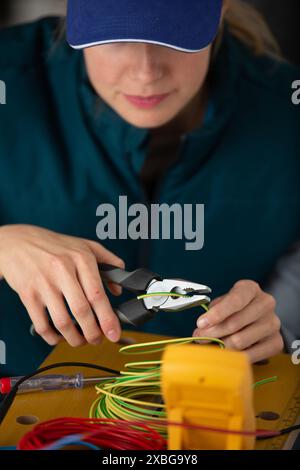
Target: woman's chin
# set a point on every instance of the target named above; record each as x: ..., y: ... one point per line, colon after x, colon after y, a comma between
x: 146, y: 118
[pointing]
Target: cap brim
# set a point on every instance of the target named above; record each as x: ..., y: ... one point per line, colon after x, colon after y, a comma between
x: 181, y: 26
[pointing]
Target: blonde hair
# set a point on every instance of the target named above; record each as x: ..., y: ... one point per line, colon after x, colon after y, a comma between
x: 249, y: 27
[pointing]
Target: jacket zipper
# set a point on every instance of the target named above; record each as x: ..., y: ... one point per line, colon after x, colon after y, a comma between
x: 145, y: 245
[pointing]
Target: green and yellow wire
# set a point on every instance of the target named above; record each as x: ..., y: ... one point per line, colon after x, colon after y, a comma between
x: 129, y: 396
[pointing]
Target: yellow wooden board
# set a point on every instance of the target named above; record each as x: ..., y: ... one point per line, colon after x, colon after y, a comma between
x: 282, y: 397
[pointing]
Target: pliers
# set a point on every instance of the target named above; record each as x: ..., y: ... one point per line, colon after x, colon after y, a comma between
x: 146, y: 283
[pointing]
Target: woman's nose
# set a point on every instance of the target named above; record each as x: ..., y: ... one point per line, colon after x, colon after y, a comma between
x: 147, y: 64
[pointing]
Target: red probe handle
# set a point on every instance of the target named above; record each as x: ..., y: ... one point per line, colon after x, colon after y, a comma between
x: 5, y: 385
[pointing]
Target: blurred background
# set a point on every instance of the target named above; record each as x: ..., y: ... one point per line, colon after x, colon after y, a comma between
x: 282, y: 15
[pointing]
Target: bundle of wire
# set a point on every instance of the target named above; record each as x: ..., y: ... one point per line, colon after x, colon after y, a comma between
x: 103, y: 434
x: 94, y: 433
x: 136, y: 394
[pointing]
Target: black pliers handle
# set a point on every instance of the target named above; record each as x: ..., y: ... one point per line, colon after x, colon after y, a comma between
x: 132, y: 312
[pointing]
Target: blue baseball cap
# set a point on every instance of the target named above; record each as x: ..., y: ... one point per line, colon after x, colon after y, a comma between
x: 184, y: 25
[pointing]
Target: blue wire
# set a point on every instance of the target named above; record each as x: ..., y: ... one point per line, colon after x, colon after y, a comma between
x: 87, y: 444
x: 73, y: 439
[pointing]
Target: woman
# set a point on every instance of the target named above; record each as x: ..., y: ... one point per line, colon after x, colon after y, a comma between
x: 74, y: 136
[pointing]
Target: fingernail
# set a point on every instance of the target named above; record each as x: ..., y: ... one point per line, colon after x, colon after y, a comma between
x: 113, y: 335
x: 202, y: 323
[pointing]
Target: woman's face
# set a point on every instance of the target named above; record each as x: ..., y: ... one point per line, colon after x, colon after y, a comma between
x: 142, y: 69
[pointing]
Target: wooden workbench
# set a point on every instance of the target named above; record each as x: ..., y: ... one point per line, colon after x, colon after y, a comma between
x: 281, y: 397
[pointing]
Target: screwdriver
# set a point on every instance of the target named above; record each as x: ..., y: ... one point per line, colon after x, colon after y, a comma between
x: 47, y: 383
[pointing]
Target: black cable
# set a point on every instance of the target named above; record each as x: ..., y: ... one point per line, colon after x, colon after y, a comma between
x: 8, y: 400
x: 280, y: 433
x: 290, y: 429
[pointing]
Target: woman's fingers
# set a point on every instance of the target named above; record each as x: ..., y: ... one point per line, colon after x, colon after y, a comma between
x: 260, y: 306
x: 114, y: 288
x: 105, y: 256
x: 49, y: 262
x: 216, y: 301
x: 253, y: 334
x: 90, y: 280
x: 269, y: 347
x: 61, y: 318
x: 80, y: 306
x: 259, y: 340
x: 241, y: 294
x: 245, y: 320
x: 39, y: 318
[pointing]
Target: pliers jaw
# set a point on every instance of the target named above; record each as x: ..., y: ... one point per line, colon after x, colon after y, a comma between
x: 194, y: 294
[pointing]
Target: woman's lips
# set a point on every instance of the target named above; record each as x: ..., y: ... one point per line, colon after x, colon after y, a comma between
x: 146, y: 102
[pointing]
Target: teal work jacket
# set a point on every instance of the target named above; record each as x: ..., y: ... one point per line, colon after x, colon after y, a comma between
x: 61, y: 156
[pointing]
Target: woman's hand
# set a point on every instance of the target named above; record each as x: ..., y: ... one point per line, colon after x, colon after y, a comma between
x: 47, y: 269
x: 245, y: 320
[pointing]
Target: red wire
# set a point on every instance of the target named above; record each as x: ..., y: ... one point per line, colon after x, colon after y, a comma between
x: 113, y: 434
